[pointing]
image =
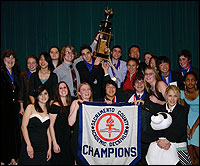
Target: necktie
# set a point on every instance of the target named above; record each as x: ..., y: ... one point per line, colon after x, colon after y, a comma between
x: 74, y: 80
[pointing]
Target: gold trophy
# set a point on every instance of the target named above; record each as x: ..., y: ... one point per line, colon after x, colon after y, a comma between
x: 104, y: 37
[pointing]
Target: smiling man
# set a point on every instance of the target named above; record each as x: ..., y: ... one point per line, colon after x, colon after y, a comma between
x: 134, y: 52
x: 67, y: 70
x: 91, y: 71
x: 167, y: 75
x: 184, y: 61
x: 117, y: 67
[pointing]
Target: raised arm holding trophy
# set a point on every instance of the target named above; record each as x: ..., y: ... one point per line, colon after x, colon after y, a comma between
x: 104, y: 37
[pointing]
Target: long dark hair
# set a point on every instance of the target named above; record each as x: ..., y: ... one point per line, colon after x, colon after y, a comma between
x: 47, y: 58
x: 38, y: 91
x: 59, y: 59
x: 58, y: 99
x: 16, y: 67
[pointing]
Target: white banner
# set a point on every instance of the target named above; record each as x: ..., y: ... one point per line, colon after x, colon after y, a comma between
x: 109, y: 134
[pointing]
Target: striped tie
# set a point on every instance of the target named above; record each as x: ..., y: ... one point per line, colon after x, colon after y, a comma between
x: 74, y: 80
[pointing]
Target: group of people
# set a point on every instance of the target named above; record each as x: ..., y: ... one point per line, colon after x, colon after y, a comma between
x: 46, y: 98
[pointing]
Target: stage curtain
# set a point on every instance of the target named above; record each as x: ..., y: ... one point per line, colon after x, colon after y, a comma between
x: 163, y: 27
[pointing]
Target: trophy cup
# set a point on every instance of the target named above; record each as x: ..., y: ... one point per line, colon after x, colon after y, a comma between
x: 104, y: 37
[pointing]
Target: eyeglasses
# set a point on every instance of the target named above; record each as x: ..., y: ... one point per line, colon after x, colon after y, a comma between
x: 68, y: 52
x: 150, y: 74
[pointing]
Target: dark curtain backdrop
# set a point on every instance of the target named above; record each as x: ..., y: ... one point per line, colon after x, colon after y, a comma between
x: 163, y: 27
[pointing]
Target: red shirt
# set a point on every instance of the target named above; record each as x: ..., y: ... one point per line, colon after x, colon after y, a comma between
x: 128, y: 83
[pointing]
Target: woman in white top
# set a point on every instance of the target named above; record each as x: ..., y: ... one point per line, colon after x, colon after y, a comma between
x: 36, y: 143
x: 84, y: 94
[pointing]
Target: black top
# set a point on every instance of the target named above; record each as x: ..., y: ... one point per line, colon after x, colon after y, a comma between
x: 63, y: 135
x: 37, y: 130
x: 74, y: 141
x: 61, y: 122
x: 159, y: 95
x: 142, y: 67
x: 50, y: 84
x: 176, y: 132
x: 194, y: 69
x: 177, y: 77
x: 9, y: 119
x: 95, y: 78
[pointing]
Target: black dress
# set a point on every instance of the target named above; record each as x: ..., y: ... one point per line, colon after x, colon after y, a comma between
x: 62, y: 133
x: 74, y: 141
x: 37, y: 130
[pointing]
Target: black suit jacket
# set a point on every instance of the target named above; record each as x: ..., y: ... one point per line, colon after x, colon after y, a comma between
x: 95, y: 78
x: 194, y: 69
x: 176, y: 132
x: 142, y: 67
x: 177, y: 77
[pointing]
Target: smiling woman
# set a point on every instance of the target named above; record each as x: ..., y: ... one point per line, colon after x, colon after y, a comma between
x: 9, y: 108
x: 43, y: 76
x: 55, y: 56
x: 154, y: 86
x: 32, y: 64
x: 58, y: 114
x: 84, y: 94
x: 191, y: 96
x: 132, y: 71
x: 173, y: 138
x: 36, y: 142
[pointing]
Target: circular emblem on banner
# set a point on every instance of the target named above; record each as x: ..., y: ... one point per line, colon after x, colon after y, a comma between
x: 109, y: 127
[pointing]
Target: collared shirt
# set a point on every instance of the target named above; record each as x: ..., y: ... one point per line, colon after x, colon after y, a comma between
x: 114, y: 100
x: 167, y: 108
x: 63, y: 72
x: 80, y: 58
x: 120, y: 74
x: 133, y: 97
x: 167, y: 79
x: 184, y: 71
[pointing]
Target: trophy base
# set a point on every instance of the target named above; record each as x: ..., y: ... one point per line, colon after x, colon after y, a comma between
x: 103, y: 56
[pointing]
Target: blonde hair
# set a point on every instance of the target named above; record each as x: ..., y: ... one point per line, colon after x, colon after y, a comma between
x: 63, y: 52
x: 81, y: 84
x: 176, y: 90
x: 156, y: 73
